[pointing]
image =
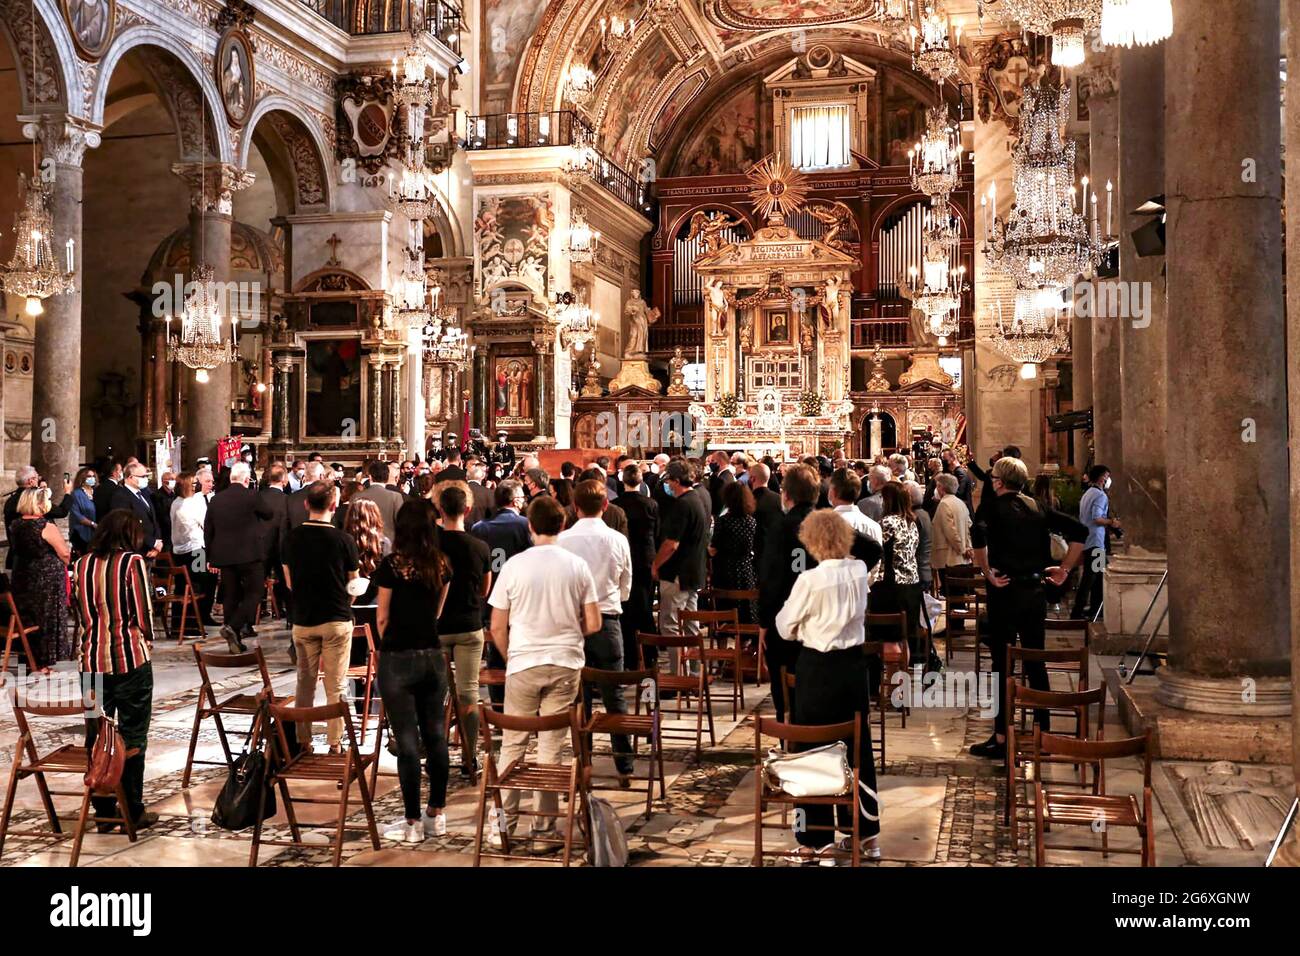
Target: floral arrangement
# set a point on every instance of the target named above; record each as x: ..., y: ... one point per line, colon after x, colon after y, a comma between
x: 727, y: 405
x: 810, y: 404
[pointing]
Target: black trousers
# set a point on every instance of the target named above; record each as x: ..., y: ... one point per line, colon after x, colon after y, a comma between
x: 242, y: 589
x: 779, y: 653
x: 1089, y: 596
x: 638, y: 615
x: 832, y: 689
x: 129, y: 699
x: 1017, y: 614
x: 604, y: 651
x: 414, y: 687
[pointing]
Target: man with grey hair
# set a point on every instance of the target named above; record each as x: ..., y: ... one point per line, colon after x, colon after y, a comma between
x: 28, y: 477
x: 899, y: 469
x: 133, y: 496
x: 871, y: 504
x: 950, y: 532
x: 233, y: 535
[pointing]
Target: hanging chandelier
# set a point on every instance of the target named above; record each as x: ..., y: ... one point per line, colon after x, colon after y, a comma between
x: 1045, y: 241
x: 893, y: 13
x: 580, y: 83
x: 934, y: 45
x: 1065, y: 21
x: 410, y: 290
x: 616, y: 32
x: 1038, y: 330
x: 411, y: 84
x: 413, y: 192
x: 1127, y: 23
x: 583, y: 240
x: 447, y: 345
x: 199, y: 344
x: 936, y: 288
x: 574, y: 320
x: 585, y: 165
x: 935, y: 162
x: 33, y: 272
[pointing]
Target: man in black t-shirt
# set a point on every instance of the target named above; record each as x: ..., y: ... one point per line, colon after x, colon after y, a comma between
x: 319, y: 562
x: 680, y: 565
x: 460, y: 627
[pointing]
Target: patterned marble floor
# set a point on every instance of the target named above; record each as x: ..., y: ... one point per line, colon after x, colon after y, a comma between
x: 940, y: 806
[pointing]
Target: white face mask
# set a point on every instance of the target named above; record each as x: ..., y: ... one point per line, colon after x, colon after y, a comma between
x: 171, y: 486
x: 1105, y: 485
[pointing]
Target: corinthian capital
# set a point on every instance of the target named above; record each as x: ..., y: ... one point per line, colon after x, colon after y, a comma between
x: 213, y: 185
x: 64, y: 138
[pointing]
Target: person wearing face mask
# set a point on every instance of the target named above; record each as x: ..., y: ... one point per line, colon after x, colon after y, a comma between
x: 163, y: 496
x: 1094, y: 512
x: 81, y: 516
x: 133, y: 496
x: 298, y: 477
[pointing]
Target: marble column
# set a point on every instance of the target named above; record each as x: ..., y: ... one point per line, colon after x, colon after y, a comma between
x: 1140, y: 487
x: 1290, y: 854
x: 56, y: 380
x: 1104, y: 338
x: 1229, y: 643
x: 212, y: 186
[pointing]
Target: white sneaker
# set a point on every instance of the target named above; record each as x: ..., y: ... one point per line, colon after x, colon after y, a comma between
x: 405, y: 832
x: 435, y: 825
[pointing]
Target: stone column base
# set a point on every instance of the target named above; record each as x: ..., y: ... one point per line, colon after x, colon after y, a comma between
x: 1233, y: 696
x: 1130, y: 581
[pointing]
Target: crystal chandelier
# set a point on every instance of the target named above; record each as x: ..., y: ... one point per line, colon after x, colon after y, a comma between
x: 936, y: 288
x: 1065, y: 21
x: 935, y: 163
x: 1038, y: 330
x: 199, y: 344
x: 413, y: 192
x: 934, y: 46
x: 1045, y: 242
x: 411, y: 84
x: 575, y: 320
x: 580, y: 83
x: 445, y: 344
x: 583, y: 240
x: 616, y: 32
x: 893, y: 13
x: 585, y: 164
x: 1128, y: 23
x: 410, y: 290
x: 33, y: 272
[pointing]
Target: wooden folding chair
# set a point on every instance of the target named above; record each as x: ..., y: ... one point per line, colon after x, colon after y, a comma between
x: 686, y: 687
x: 366, y: 673
x: 753, y: 659
x: 568, y: 780
x: 635, y: 725
x: 343, y: 770
x: 895, y: 654
x: 243, y: 704
x: 1072, y: 662
x: 964, y: 592
x: 178, y: 587
x: 69, y: 760
x: 492, y: 677
x: 271, y: 604
x: 1022, y: 700
x: 765, y: 794
x: 721, y: 627
x: 1096, y: 810
x: 15, y: 631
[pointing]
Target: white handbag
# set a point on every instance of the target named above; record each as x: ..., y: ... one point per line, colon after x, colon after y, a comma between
x: 820, y: 772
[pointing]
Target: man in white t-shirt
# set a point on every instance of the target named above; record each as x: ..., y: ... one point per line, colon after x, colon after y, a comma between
x: 543, y: 606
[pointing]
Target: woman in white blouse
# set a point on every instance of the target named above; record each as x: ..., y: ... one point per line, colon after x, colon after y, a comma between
x: 188, y: 510
x: 826, y: 614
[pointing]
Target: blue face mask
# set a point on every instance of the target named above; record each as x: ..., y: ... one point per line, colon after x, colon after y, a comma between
x: 90, y: 481
x: 668, y: 490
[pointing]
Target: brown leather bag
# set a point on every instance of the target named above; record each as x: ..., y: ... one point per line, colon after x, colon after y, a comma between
x: 107, y: 757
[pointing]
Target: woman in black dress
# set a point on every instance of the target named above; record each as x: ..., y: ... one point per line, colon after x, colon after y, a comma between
x: 40, y: 580
x: 732, y: 547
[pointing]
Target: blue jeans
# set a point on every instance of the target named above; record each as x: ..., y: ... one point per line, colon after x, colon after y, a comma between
x: 604, y: 651
x: 413, y: 685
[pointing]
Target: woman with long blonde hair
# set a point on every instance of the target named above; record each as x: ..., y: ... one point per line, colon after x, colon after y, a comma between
x: 365, y: 523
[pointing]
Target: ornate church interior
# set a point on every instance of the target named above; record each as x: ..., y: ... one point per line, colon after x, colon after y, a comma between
x: 1034, y: 250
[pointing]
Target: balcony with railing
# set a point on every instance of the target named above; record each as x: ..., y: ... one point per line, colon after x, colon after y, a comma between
x: 557, y: 128
x: 375, y: 17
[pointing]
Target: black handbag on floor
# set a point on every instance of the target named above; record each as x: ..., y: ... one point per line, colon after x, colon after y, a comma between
x: 239, y: 799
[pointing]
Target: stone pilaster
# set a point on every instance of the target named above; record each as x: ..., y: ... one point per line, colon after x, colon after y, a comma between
x: 56, y: 383
x: 1228, y: 646
x: 1290, y: 854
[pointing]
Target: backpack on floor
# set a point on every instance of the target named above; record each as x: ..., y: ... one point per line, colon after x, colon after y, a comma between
x: 608, y: 843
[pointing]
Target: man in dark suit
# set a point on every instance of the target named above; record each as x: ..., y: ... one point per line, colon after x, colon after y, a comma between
x: 642, y: 533
x: 163, y: 496
x: 133, y: 496
x: 784, y: 559
x: 276, y: 530
x: 767, y: 508
x: 110, y: 479
x: 314, y: 472
x: 234, y: 538
x: 722, y: 475
x: 388, y: 501
x: 454, y: 471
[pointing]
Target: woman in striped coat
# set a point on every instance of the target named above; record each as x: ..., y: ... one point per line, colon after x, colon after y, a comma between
x: 113, y: 598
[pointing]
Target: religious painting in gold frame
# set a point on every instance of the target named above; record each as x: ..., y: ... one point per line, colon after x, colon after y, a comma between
x: 778, y: 327
x: 90, y: 23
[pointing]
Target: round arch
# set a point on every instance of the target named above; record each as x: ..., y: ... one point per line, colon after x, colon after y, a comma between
x: 879, y: 216
x: 304, y: 145
x: 56, y: 45
x: 710, y: 206
x: 152, y: 36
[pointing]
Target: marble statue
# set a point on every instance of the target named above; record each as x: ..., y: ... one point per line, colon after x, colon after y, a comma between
x: 715, y: 303
x: 639, y: 319
x: 832, y: 305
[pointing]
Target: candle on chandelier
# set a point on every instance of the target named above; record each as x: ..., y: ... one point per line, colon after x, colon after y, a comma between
x: 71, y: 247
x: 1110, y: 195
x: 1084, y: 205
x: 1096, y: 227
